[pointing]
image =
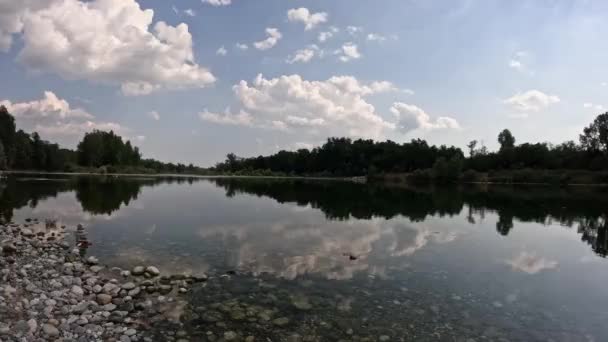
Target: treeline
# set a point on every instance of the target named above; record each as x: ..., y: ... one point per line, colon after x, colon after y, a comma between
x: 97, y: 152
x: 343, y: 157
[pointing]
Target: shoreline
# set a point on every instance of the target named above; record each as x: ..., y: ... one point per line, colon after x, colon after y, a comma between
x: 386, y: 179
x: 50, y: 290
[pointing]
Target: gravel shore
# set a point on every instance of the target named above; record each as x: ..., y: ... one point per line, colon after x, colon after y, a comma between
x: 49, y: 291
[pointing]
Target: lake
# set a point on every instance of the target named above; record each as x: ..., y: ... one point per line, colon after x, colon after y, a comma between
x: 352, y: 262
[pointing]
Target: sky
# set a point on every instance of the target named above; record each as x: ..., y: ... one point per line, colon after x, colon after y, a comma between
x: 193, y: 80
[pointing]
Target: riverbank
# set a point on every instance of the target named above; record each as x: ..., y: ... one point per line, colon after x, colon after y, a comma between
x: 50, y: 291
x: 513, y: 177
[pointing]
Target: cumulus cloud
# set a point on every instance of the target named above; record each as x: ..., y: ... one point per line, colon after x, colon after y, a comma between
x: 531, y: 101
x: 50, y: 106
x: 190, y: 12
x: 217, y: 2
x: 334, y: 107
x: 374, y: 37
x: 349, y: 52
x: 221, y: 51
x: 411, y: 117
x: 154, y: 115
x: 241, y: 119
x: 56, y: 120
x: 12, y: 17
x: 104, y: 41
x: 531, y: 263
x: 309, y: 19
x: 242, y: 46
x: 273, y: 38
x: 326, y: 35
x: 304, y: 55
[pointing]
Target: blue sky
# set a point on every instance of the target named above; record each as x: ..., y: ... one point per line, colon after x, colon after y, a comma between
x: 445, y: 71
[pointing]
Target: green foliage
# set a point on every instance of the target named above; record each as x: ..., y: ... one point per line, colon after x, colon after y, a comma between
x: 3, y: 163
x: 100, y: 148
x: 595, y: 136
x: 23, y: 151
x: 506, y: 140
x: 447, y: 171
x: 343, y: 157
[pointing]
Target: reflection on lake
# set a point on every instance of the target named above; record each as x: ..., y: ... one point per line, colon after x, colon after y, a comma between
x: 469, y: 262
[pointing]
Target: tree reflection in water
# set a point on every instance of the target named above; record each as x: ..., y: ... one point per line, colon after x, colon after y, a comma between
x: 584, y: 208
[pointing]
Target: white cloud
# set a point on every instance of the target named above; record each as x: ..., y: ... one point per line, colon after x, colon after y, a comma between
x: 335, y: 107
x: 326, y: 35
x: 374, y: 37
x: 154, y: 115
x: 105, y: 41
x: 55, y: 119
x: 301, y: 56
x: 411, y: 117
x: 303, y: 15
x: 273, y: 38
x: 517, y: 61
x: 190, y: 12
x: 349, y: 52
x: 303, y: 145
x: 242, y: 118
x: 217, y: 2
x: 531, y: 100
x: 604, y: 84
x: 515, y: 64
x: 531, y: 263
x: 221, y: 51
x: 12, y: 16
x: 354, y: 30
x: 242, y: 46
x: 594, y: 106
x: 50, y: 107
x: 305, y: 55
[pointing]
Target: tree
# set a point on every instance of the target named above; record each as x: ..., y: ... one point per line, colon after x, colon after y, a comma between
x: 472, y: 145
x: 3, y: 163
x: 595, y: 136
x: 506, y: 140
x: 7, y: 133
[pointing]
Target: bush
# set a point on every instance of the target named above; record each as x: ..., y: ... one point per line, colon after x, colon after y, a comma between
x: 470, y: 176
x: 420, y: 177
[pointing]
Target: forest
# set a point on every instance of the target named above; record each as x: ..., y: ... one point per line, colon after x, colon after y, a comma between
x: 98, y: 151
x: 585, y: 161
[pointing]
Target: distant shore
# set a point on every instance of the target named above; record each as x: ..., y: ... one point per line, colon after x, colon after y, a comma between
x: 502, y: 177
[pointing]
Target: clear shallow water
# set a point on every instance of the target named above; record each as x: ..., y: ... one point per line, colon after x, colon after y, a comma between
x: 496, y: 263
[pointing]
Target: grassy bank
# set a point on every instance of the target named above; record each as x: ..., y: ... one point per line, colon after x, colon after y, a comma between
x: 522, y: 176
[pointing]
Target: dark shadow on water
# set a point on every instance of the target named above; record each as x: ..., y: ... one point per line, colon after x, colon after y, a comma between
x: 583, y: 208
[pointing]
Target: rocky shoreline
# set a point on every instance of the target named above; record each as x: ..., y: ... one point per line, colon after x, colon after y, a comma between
x: 50, y: 291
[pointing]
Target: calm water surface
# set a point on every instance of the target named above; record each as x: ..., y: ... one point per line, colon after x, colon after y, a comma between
x: 346, y: 260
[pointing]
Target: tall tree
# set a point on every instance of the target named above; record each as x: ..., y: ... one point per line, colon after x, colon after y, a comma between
x: 506, y: 140
x: 595, y: 136
x: 472, y: 145
x: 7, y: 133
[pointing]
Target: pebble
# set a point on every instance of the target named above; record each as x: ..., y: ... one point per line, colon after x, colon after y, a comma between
x: 50, y: 330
